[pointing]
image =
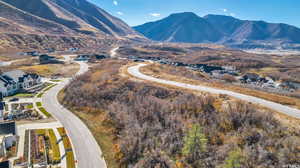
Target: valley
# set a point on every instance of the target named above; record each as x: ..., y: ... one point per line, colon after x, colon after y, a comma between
x: 81, y: 88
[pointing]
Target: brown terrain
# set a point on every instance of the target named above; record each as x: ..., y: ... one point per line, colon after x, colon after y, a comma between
x: 142, y: 124
x: 275, y: 66
x: 148, y: 125
x: 32, y: 65
x: 40, y: 24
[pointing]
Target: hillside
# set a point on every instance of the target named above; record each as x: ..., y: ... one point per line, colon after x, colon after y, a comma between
x: 188, y: 27
x: 23, y: 24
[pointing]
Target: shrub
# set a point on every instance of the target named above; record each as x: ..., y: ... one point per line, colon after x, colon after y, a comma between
x: 151, y: 124
x: 235, y: 159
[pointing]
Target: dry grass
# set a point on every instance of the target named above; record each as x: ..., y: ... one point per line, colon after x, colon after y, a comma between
x: 151, y: 122
x: 52, y: 69
x: 159, y: 72
x: 99, y: 124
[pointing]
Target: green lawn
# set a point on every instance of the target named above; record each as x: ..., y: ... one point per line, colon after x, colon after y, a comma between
x: 44, y: 111
x: 38, y: 104
x: 40, y: 131
x: 54, y: 146
x: 48, y: 88
x: 40, y: 95
x: 30, y: 106
x: 55, y: 80
x: 21, y: 95
x: 45, y: 90
x: 70, y: 159
x: 67, y: 146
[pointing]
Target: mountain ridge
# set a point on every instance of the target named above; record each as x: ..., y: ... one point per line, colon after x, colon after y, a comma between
x: 224, y: 29
x: 24, y: 23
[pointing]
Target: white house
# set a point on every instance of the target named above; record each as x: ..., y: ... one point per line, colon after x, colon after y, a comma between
x: 7, y: 86
x: 14, y: 81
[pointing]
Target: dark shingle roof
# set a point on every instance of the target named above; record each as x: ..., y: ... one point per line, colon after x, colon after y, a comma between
x: 15, y: 75
x: 7, y: 128
x: 4, y: 164
x: 1, y: 106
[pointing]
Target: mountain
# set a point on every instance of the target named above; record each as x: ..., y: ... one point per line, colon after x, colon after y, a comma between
x: 183, y: 27
x: 188, y: 27
x: 78, y: 15
x: 22, y: 20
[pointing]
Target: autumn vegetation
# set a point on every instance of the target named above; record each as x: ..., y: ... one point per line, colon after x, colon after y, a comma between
x: 185, y: 75
x: 156, y: 127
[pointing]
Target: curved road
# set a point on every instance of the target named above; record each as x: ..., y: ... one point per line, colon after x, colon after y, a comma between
x: 134, y: 71
x: 87, y: 150
x: 113, y: 52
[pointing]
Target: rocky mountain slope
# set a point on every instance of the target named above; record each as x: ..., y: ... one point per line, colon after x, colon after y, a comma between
x: 188, y: 27
x: 24, y: 23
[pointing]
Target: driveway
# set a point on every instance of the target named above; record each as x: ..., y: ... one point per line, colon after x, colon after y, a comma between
x: 134, y: 71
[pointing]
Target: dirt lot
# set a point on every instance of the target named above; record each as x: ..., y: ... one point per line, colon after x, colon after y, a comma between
x: 46, y: 70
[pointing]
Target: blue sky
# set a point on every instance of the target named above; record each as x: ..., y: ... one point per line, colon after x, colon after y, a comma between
x: 135, y: 12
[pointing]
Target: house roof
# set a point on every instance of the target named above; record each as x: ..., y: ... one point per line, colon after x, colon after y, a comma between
x: 1, y: 106
x: 15, y: 75
x: 4, y: 164
x: 7, y: 128
x: 5, y: 80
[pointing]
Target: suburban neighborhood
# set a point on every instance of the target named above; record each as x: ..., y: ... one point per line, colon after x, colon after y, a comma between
x: 17, y: 81
x: 29, y: 135
x: 149, y: 84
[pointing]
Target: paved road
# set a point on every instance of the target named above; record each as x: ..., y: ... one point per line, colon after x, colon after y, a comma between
x: 87, y: 150
x: 134, y: 71
x: 113, y: 52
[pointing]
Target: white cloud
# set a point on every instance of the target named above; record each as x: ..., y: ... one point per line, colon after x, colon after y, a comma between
x: 155, y: 14
x: 115, y: 2
x: 232, y: 14
x: 120, y: 13
x: 225, y: 10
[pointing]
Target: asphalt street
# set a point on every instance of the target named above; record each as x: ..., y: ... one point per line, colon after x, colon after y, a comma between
x: 87, y: 151
x: 293, y: 112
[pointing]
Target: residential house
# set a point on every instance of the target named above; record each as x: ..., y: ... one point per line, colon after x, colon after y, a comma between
x: 46, y: 59
x: 82, y: 58
x: 250, y: 77
x: 7, y: 86
x: 8, y: 137
x: 7, y: 128
x: 14, y: 81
